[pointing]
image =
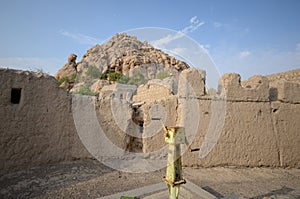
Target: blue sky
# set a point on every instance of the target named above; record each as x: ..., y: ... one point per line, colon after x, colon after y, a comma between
x: 246, y: 37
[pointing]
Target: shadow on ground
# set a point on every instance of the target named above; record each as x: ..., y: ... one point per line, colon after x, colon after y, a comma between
x: 38, y: 180
x: 283, y: 191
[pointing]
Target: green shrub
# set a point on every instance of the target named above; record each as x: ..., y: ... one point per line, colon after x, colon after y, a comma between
x: 73, y: 78
x: 104, y: 76
x: 93, y: 72
x: 78, y: 77
x: 62, y: 80
x: 137, y: 78
x: 85, y: 90
x: 123, y: 80
x: 66, y: 79
x: 113, y: 76
x: 162, y: 75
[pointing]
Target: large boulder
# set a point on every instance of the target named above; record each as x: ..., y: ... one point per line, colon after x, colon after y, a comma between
x: 68, y: 72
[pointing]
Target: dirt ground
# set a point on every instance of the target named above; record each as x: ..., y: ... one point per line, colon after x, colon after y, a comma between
x: 91, y: 179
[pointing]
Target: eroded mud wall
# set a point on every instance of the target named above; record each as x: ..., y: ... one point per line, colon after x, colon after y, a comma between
x: 36, y: 123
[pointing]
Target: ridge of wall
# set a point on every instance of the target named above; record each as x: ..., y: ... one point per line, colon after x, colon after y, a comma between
x: 255, y: 89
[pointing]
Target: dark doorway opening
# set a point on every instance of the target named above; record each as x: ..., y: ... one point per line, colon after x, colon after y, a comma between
x: 15, y: 95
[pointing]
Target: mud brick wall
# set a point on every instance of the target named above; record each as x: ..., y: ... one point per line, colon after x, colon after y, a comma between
x: 260, y: 127
x: 36, y: 124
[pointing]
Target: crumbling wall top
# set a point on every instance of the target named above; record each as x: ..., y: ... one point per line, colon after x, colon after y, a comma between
x: 255, y: 88
x: 151, y: 92
x: 192, y: 83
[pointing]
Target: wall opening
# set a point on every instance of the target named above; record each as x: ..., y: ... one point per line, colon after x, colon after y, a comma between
x: 15, y: 96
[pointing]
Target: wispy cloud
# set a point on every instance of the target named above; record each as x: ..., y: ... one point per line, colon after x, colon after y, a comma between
x: 81, y: 38
x: 48, y: 65
x: 160, y: 43
x: 194, y: 20
x: 194, y: 25
x: 244, y: 54
x: 178, y: 50
x: 217, y: 24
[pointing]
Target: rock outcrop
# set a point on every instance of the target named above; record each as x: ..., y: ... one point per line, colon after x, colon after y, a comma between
x: 124, y: 54
x: 68, y: 72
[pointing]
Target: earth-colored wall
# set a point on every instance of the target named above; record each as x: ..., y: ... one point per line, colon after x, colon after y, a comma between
x: 258, y: 130
x: 40, y: 129
x: 260, y: 125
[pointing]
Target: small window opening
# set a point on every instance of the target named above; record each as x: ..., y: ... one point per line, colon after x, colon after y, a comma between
x: 15, y: 95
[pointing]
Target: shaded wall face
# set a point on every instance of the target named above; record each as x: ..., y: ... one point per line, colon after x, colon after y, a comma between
x: 39, y: 128
x: 286, y: 119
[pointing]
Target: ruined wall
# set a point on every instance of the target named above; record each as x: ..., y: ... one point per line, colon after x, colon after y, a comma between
x: 259, y: 130
x: 39, y: 128
x: 158, y: 92
x: 260, y: 126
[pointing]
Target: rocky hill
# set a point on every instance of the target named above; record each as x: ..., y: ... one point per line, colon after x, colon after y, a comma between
x: 121, y: 56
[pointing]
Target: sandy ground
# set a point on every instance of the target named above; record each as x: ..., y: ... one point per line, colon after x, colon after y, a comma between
x: 91, y: 179
x: 247, y: 182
